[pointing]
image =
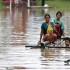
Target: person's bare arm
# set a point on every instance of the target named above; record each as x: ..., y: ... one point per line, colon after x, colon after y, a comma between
x: 41, y: 34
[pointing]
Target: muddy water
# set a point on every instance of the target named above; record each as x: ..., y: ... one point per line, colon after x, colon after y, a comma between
x: 21, y: 28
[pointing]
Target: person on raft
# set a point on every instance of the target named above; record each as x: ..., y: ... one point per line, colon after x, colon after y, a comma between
x: 58, y: 25
x: 47, y: 31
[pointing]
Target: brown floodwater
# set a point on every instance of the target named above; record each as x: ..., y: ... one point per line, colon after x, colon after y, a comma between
x: 22, y: 27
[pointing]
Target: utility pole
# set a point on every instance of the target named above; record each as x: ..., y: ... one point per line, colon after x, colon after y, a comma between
x: 10, y: 6
x: 28, y: 3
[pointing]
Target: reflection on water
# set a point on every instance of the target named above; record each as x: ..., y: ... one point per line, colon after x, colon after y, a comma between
x: 23, y: 27
x: 56, y: 57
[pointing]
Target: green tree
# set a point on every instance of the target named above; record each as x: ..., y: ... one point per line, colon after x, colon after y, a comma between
x: 1, y: 4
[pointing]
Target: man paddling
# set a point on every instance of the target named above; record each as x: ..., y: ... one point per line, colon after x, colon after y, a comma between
x: 47, y: 30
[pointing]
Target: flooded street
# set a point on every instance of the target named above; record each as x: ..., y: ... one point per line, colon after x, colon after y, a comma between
x: 20, y: 28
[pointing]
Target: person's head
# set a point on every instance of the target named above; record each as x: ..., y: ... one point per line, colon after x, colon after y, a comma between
x: 67, y: 41
x: 47, y: 17
x: 58, y: 14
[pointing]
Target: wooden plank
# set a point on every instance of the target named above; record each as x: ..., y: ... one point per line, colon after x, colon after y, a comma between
x: 33, y: 46
x: 58, y: 47
x: 46, y: 47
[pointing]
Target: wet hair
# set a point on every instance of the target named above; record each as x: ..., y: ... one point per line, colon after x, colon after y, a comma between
x: 47, y: 15
x: 59, y: 12
x: 67, y: 38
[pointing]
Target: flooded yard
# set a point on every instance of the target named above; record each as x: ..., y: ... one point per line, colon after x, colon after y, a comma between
x: 21, y: 28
